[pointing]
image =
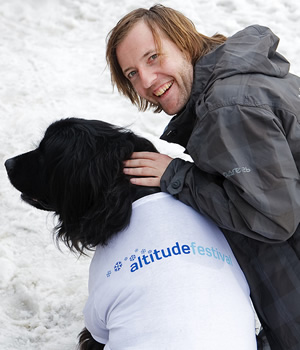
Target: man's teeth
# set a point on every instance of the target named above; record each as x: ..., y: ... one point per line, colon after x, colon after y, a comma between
x: 163, y: 89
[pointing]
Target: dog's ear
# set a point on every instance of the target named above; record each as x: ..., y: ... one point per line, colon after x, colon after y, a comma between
x: 93, y: 195
x: 111, y: 206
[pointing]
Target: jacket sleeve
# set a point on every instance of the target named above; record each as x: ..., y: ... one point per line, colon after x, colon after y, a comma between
x: 244, y: 176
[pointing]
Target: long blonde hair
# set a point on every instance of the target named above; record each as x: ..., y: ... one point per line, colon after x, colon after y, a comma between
x: 177, y: 27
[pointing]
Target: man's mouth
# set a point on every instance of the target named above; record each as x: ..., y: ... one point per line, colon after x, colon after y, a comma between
x: 163, y: 89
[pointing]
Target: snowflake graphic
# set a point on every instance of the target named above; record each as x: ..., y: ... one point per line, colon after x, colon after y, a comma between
x: 149, y: 251
x: 136, y: 250
x: 132, y: 257
x: 108, y: 274
x: 143, y: 251
x: 118, y: 266
x: 125, y: 259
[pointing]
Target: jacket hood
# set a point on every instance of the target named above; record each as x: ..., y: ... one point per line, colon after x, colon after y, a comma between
x: 250, y: 51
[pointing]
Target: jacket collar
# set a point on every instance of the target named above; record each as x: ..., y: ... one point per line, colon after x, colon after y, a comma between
x: 181, y: 125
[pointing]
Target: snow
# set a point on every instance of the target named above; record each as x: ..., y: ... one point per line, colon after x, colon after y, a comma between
x: 52, y: 65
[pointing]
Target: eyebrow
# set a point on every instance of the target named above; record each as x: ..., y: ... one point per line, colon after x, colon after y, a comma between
x: 145, y: 55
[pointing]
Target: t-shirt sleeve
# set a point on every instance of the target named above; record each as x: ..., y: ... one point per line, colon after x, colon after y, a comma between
x: 94, y: 324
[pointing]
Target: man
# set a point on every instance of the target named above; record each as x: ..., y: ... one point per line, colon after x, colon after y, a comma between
x: 236, y: 110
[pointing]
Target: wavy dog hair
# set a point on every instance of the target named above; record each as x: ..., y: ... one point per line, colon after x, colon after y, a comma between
x: 77, y: 172
x: 177, y: 27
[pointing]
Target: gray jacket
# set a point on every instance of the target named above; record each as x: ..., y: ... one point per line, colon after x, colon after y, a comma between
x: 241, y: 127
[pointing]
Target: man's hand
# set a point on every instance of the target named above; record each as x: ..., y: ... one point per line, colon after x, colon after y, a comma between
x: 148, y: 167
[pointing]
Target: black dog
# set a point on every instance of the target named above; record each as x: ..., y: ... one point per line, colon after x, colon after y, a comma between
x: 77, y: 172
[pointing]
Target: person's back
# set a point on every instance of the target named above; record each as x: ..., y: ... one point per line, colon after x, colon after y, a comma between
x: 169, y: 281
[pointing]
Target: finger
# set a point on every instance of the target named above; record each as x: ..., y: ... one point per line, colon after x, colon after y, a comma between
x: 138, y: 163
x: 141, y: 171
x: 145, y: 155
x: 146, y: 181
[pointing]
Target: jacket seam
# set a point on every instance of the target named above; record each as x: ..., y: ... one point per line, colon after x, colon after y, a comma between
x: 251, y: 105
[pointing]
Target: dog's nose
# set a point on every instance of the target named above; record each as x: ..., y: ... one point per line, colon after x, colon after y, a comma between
x: 9, y: 164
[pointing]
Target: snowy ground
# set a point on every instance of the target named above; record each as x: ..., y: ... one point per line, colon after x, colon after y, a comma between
x: 52, y: 65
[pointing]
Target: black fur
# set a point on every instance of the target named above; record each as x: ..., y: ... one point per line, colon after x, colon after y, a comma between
x: 77, y: 172
x: 87, y: 342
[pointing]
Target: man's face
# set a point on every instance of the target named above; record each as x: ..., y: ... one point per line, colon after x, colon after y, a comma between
x: 164, y: 78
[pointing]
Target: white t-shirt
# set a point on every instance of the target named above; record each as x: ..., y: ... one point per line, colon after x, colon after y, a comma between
x: 168, y: 281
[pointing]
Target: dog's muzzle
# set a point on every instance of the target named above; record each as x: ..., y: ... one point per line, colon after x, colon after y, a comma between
x: 9, y: 165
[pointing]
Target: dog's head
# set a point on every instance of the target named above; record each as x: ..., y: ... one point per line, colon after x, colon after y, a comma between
x: 77, y: 172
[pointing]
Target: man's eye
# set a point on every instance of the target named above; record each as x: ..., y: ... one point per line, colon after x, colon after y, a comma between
x: 131, y: 74
x: 153, y: 57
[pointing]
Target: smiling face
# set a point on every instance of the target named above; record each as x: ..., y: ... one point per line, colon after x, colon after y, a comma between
x: 163, y: 78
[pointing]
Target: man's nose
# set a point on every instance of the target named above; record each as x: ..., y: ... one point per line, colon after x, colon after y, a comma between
x: 147, y: 77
